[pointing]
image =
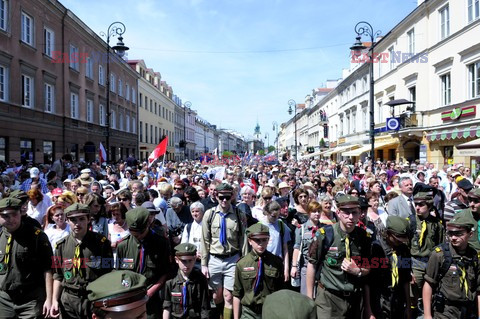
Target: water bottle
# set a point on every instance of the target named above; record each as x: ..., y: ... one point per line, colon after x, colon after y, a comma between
x: 296, y: 281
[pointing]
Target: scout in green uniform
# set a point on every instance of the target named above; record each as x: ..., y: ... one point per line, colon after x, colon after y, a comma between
x: 428, y: 232
x: 146, y: 253
x: 257, y: 275
x: 474, y: 200
x: 25, y: 261
x: 223, y: 242
x: 186, y: 295
x: 79, y: 259
x: 118, y: 295
x: 452, y: 279
x: 336, y: 259
x: 391, y: 271
x: 288, y: 304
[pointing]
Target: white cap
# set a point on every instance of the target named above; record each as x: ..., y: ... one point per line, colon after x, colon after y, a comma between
x: 34, y: 172
x: 86, y: 171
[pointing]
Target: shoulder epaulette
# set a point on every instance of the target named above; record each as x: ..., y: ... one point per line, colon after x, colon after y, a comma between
x: 369, y: 235
x: 322, y: 231
x: 37, y: 232
x: 438, y: 249
x: 103, y: 239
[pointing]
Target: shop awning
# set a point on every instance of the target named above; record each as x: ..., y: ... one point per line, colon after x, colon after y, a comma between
x: 384, y: 144
x: 339, y: 149
x: 471, y: 148
x: 454, y: 133
x: 310, y: 155
x: 358, y: 151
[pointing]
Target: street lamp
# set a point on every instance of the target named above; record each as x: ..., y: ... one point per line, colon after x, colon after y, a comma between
x: 365, y: 28
x: 205, y: 140
x: 275, y: 127
x: 292, y: 103
x: 186, y: 105
x: 267, y: 137
x: 115, y: 29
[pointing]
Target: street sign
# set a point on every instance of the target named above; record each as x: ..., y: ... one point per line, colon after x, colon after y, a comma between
x: 393, y: 123
x: 423, y: 153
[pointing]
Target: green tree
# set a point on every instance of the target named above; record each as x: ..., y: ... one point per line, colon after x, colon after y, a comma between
x: 261, y: 152
x: 271, y: 148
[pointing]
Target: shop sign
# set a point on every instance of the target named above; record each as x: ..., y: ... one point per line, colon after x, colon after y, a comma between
x: 459, y: 112
x: 341, y: 140
x: 423, y: 153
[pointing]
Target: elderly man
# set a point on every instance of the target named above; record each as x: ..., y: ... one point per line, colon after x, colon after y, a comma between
x: 178, y: 215
x: 403, y: 205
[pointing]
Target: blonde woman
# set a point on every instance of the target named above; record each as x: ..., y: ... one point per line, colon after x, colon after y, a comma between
x: 265, y: 197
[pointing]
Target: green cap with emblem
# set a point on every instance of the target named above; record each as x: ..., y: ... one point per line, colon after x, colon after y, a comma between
x: 258, y: 229
x: 77, y: 209
x: 288, y: 304
x: 9, y: 203
x: 398, y: 225
x: 224, y: 187
x: 186, y: 249
x: 118, y: 291
x: 19, y: 194
x: 137, y: 219
x: 474, y: 193
x: 423, y: 197
x: 347, y: 201
x: 462, y: 218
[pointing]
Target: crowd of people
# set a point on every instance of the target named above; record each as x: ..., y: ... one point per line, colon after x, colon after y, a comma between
x: 344, y: 240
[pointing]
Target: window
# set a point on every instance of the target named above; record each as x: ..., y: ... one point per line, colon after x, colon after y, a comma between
x: 473, y: 10
x: 3, y: 14
x: 411, y: 41
x: 151, y: 105
x: 155, y: 107
x: 474, y: 70
x: 3, y: 83
x: 101, y: 115
x: 27, y: 91
x: 134, y: 96
x: 127, y: 92
x: 413, y: 93
x: 3, y: 149
x: 89, y: 68
x: 444, y: 22
x: 127, y: 123
x: 391, y: 56
x: 101, y: 75
x: 156, y: 134
x: 146, y: 132
x: 49, y: 41
x: 47, y: 152
x: 89, y: 111
x: 446, y: 89
x: 113, y: 119
x: 151, y: 134
x: 49, y: 97
x: 141, y: 131
x: 146, y: 103
x: 354, y: 122
x: 120, y: 87
x: 134, y: 124
x: 139, y: 99
x: 27, y: 29
x: 74, y: 57
x: 112, y: 83
x: 120, y: 121
x: 74, y: 105
x: 26, y: 151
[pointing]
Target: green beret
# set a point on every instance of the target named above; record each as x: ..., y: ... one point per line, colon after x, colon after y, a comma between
x: 423, y: 197
x: 288, y: 304
x: 224, y: 187
x: 118, y: 291
x: 186, y: 249
x: 137, y: 219
x: 77, y: 209
x: 463, y: 218
x: 19, y: 194
x: 475, y: 193
x: 347, y: 201
x: 258, y: 229
x: 9, y: 202
x: 398, y: 225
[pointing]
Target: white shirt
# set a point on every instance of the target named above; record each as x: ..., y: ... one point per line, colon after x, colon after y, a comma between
x: 195, y: 235
x: 54, y: 235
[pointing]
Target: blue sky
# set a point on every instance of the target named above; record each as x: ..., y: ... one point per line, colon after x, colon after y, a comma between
x: 239, y: 61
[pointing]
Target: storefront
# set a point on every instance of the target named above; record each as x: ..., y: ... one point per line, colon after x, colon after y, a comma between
x: 470, y: 151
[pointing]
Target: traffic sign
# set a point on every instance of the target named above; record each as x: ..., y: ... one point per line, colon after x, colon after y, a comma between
x: 393, y: 123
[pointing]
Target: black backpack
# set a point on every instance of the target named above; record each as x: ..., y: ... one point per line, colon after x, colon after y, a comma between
x: 327, y: 231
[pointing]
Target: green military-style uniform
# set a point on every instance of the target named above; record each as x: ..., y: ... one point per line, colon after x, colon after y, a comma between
x: 149, y: 257
x: 454, y: 291
x: 118, y: 292
x: 390, y: 272
x: 79, y: 263
x: 339, y: 293
x: 257, y: 276
x: 288, y: 304
x: 25, y: 257
x: 187, y: 297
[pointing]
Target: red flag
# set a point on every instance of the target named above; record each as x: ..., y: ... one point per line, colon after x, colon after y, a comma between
x: 160, y: 150
x: 102, y: 154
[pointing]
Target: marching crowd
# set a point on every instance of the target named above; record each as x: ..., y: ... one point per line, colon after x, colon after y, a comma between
x: 299, y: 239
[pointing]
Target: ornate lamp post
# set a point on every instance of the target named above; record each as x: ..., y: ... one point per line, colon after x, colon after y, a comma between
x: 365, y: 28
x: 293, y: 104
x: 275, y: 127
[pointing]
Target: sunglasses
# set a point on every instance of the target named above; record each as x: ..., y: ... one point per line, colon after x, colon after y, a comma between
x: 178, y: 189
x: 224, y: 197
x: 268, y: 198
x: 81, y: 194
x: 421, y: 204
x: 474, y: 200
x: 456, y: 233
x: 123, y: 199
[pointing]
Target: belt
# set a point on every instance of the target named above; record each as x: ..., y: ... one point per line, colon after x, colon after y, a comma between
x: 338, y: 293
x: 223, y: 256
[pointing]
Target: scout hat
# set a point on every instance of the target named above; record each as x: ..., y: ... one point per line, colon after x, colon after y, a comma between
x: 283, y: 185
x: 398, y: 225
x: 288, y: 304
x: 9, y: 202
x: 474, y: 193
x: 224, y: 187
x: 77, y: 209
x: 118, y: 291
x: 137, y: 219
x: 19, y: 194
x: 423, y: 197
x: 463, y: 219
x: 186, y: 249
x: 347, y: 201
x: 86, y: 179
x: 258, y: 229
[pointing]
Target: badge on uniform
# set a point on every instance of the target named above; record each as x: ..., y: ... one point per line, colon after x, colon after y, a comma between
x: 331, y: 261
x: 176, y: 294
x: 333, y: 249
x: 248, y: 268
x: 453, y: 268
x: 67, y: 275
x: 127, y: 263
x: 125, y: 283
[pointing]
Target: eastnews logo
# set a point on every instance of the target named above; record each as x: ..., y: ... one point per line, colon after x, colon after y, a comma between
x: 385, y: 57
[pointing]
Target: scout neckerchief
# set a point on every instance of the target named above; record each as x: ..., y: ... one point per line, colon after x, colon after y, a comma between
x: 463, y: 279
x: 77, y: 261
x: 422, y: 233
x: 258, y: 277
x: 185, y: 296
x: 394, y: 269
x: 347, y: 247
x: 223, y: 229
x: 8, y: 248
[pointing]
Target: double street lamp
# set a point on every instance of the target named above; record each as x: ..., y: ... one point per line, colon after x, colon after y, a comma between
x: 293, y: 104
x: 115, y: 29
x: 365, y: 28
x: 186, y: 105
x: 275, y: 127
